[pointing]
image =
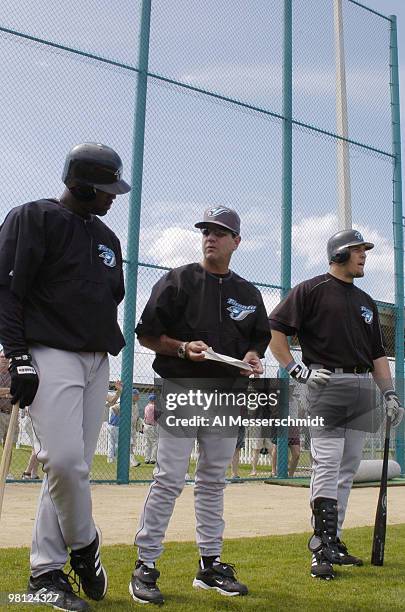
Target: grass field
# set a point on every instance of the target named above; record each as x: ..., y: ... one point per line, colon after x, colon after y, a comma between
x: 101, y: 470
x: 276, y: 570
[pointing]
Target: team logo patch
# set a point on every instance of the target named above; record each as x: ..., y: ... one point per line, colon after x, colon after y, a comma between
x: 358, y: 236
x: 107, y: 255
x: 218, y: 210
x: 237, y: 311
x: 367, y: 315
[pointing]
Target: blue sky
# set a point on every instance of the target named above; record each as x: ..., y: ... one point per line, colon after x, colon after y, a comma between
x: 201, y: 152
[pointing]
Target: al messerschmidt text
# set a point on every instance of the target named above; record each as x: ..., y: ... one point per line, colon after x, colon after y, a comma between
x: 230, y: 421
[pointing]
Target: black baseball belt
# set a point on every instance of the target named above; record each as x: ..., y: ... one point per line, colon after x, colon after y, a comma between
x: 350, y: 369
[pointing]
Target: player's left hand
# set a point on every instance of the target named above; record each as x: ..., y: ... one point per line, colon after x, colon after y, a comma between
x: 252, y: 359
x: 393, y: 407
x: 24, y: 380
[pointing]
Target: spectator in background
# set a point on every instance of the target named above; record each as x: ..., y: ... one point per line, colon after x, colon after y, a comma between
x: 294, y: 446
x: 240, y: 443
x: 150, y: 430
x: 260, y: 446
x: 296, y: 408
x: 136, y: 427
x: 31, y: 471
x: 112, y: 403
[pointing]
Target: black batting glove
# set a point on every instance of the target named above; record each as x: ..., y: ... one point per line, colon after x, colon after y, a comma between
x: 306, y: 376
x: 393, y: 407
x: 24, y: 380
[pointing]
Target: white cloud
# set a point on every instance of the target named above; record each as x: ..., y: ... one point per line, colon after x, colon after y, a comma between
x: 175, y: 247
x: 265, y: 79
x: 311, y: 234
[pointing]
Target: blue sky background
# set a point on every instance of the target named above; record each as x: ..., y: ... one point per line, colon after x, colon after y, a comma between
x: 199, y: 151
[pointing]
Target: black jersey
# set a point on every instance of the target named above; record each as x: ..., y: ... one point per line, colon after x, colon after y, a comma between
x: 336, y: 322
x: 66, y: 273
x: 226, y: 312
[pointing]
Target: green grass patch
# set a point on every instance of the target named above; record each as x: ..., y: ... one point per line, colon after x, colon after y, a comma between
x: 276, y: 570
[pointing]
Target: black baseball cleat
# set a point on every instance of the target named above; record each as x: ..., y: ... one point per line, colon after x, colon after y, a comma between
x: 321, y: 567
x: 346, y: 558
x: 221, y: 577
x: 143, y: 587
x: 86, y: 564
x: 54, y: 589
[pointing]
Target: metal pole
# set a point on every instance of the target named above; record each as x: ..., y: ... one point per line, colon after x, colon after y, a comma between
x: 286, y: 220
x: 398, y: 234
x: 131, y: 276
x: 343, y: 161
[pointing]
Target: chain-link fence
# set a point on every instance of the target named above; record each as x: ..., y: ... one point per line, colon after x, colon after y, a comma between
x: 213, y: 76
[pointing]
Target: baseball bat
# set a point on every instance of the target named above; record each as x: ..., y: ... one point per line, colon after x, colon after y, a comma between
x: 380, y: 525
x: 7, y: 451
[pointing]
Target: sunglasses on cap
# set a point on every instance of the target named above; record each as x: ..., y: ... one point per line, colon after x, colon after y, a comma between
x: 218, y: 233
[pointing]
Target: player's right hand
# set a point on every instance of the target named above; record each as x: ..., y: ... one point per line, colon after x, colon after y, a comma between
x: 24, y: 379
x: 393, y: 407
x: 195, y: 350
x: 306, y: 376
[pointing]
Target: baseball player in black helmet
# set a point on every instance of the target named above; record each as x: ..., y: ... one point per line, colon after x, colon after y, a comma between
x: 339, y: 332
x: 61, y: 281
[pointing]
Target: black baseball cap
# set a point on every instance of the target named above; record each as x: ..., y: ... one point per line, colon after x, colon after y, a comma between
x: 221, y: 216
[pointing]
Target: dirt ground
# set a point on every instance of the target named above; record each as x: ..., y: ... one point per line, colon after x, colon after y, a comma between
x: 251, y: 509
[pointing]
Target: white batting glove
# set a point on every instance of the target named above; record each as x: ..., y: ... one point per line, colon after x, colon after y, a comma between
x: 393, y: 407
x: 306, y: 376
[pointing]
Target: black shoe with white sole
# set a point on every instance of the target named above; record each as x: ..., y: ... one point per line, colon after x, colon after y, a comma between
x: 86, y: 564
x: 321, y: 567
x: 54, y: 589
x: 221, y: 577
x: 345, y: 557
x: 143, y: 587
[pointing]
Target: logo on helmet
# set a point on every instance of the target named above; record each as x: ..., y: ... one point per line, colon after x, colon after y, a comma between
x: 214, y: 212
x: 107, y: 255
x: 367, y: 315
x: 237, y: 311
x: 358, y: 236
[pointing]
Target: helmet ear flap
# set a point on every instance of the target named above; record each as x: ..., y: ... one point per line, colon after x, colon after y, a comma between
x: 341, y: 256
x: 86, y: 193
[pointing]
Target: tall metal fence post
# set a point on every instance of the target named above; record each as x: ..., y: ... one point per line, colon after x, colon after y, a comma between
x: 286, y: 219
x: 131, y: 276
x: 398, y: 234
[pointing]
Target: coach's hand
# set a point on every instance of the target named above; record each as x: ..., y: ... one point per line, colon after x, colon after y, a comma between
x: 393, y: 407
x: 24, y: 380
x: 312, y: 378
x: 195, y: 350
x: 253, y: 359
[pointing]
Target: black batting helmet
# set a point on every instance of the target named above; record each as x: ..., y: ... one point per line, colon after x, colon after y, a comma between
x: 94, y: 165
x: 338, y: 245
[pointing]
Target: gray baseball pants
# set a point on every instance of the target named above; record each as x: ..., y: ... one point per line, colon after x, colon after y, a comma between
x: 336, y: 455
x: 215, y: 454
x: 67, y: 415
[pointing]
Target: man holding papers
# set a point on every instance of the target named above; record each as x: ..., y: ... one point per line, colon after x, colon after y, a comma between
x: 199, y: 319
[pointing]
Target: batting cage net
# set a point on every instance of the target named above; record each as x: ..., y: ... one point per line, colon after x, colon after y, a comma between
x: 208, y: 103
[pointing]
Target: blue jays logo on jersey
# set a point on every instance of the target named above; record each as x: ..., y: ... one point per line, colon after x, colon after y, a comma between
x: 367, y: 314
x: 218, y: 210
x: 107, y: 255
x: 237, y: 311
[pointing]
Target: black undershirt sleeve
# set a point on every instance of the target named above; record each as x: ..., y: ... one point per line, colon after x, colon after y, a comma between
x: 11, y: 323
x: 281, y: 327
